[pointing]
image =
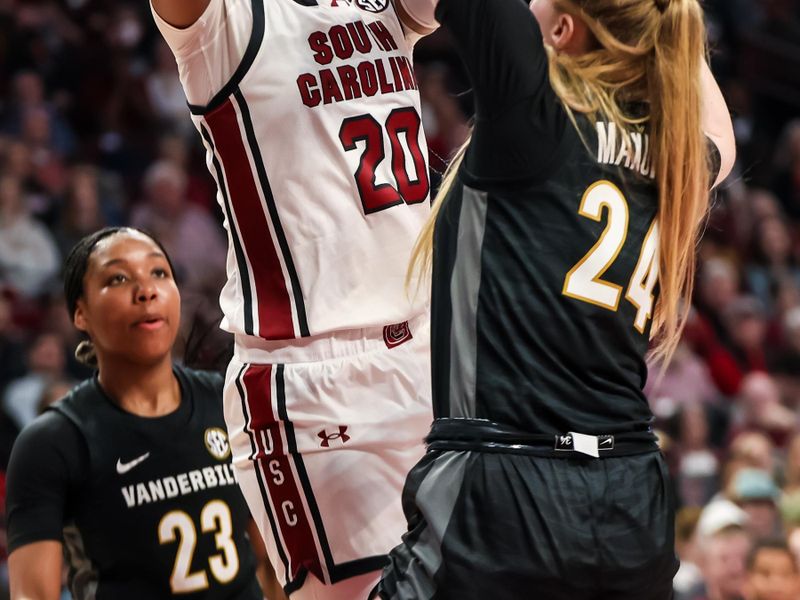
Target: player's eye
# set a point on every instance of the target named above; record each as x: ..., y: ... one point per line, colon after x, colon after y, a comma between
x: 161, y: 273
x: 116, y: 279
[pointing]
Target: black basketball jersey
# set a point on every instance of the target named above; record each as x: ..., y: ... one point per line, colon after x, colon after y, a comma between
x: 545, y: 250
x: 160, y: 512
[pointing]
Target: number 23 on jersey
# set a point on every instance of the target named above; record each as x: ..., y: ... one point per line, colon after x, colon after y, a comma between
x: 177, y: 526
x: 584, y: 281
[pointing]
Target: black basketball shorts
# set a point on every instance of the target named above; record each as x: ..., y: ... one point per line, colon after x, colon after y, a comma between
x: 503, y: 526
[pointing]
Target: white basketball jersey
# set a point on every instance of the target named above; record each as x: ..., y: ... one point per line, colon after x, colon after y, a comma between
x: 316, y: 146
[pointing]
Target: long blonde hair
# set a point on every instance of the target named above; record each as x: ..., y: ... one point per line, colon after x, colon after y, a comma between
x: 651, y: 52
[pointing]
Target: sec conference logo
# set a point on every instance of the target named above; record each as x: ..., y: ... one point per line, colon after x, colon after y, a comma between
x: 217, y: 443
x: 374, y: 6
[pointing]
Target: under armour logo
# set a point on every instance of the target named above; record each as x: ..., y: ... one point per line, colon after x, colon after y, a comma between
x: 340, y: 435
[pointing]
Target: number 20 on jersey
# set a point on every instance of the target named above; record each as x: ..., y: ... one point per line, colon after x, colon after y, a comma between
x: 584, y: 281
x: 375, y: 196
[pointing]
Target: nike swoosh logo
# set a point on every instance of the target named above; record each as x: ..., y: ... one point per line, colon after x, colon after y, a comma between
x: 123, y: 468
x: 606, y: 442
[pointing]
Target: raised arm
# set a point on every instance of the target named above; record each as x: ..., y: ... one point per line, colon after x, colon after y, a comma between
x: 717, y: 124
x: 180, y: 13
x: 501, y: 46
x: 417, y: 15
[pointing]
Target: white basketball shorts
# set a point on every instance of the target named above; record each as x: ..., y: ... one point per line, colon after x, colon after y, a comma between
x: 323, y: 433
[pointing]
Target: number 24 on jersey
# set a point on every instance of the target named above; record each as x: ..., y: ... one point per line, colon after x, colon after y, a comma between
x: 584, y: 280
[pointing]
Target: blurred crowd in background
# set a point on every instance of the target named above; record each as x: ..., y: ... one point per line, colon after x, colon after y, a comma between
x: 94, y: 131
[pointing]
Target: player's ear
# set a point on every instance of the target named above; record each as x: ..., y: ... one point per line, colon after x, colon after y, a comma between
x: 571, y: 35
x: 563, y: 32
x: 79, y: 318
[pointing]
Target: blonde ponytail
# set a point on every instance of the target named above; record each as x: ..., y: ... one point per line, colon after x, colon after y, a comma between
x: 681, y: 162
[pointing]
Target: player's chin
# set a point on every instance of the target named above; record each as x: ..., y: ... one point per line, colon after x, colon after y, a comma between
x: 152, y: 348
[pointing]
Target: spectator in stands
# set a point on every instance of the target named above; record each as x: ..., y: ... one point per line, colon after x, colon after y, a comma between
x: 759, y: 408
x: 756, y: 493
x: 165, y: 93
x: 791, y: 478
x: 81, y: 211
x: 49, y: 169
x: 685, y: 382
x: 790, y: 498
x: 787, y: 179
x: 12, y: 364
x: 718, y: 286
x: 200, y: 189
x: 689, y: 577
x: 793, y: 541
x: 763, y: 204
x: 787, y: 360
x: 781, y: 20
x: 697, y: 476
x: 29, y: 94
x: 29, y: 259
x: 723, y: 564
x: 772, y: 573
x: 746, y: 330
x: 19, y: 164
x: 46, y: 363
x: 773, y: 259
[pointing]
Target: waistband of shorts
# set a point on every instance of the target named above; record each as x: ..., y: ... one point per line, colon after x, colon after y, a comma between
x: 480, y: 435
x: 333, y: 344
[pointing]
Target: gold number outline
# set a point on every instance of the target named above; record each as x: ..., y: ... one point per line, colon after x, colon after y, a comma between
x: 597, y: 277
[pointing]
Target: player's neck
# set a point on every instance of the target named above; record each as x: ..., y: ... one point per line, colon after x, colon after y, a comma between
x: 144, y: 390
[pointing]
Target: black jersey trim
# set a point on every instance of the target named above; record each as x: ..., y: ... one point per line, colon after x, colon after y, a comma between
x: 238, y: 251
x: 301, y: 469
x: 266, y: 188
x: 342, y: 571
x: 253, y: 46
x: 297, y: 582
x: 261, y: 485
x: 358, y: 567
